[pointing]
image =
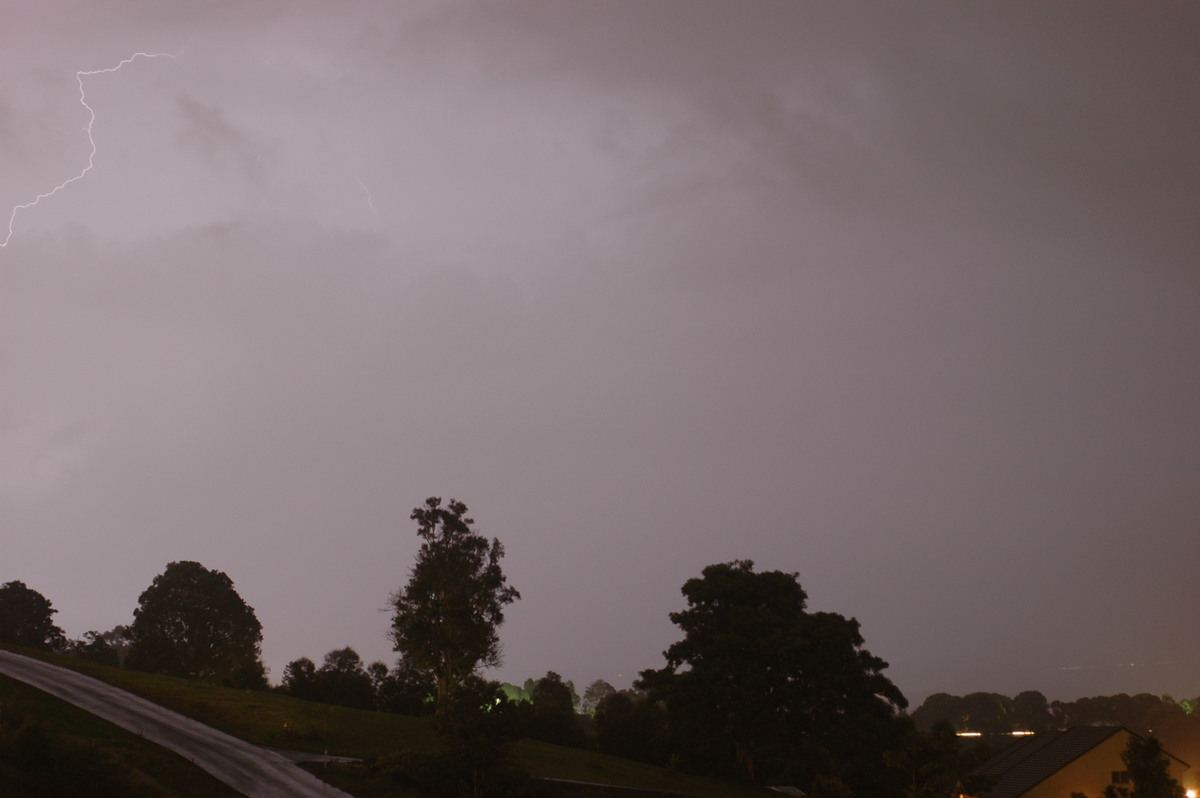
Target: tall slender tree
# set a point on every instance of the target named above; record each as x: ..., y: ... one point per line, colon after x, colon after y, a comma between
x: 446, y: 618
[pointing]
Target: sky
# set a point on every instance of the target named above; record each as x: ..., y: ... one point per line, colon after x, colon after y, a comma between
x: 903, y: 298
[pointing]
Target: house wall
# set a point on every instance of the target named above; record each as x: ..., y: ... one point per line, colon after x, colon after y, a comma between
x: 1092, y: 772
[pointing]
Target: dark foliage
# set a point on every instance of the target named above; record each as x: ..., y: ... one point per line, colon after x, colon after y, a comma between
x: 343, y: 680
x: 404, y: 689
x: 935, y: 763
x: 1175, y: 723
x: 593, y: 694
x: 191, y: 623
x: 629, y: 725
x: 300, y: 679
x: 1121, y: 710
x: 762, y: 688
x: 477, y: 727
x: 447, y: 616
x: 552, y: 717
x: 27, y: 618
x: 1149, y: 769
x: 100, y: 647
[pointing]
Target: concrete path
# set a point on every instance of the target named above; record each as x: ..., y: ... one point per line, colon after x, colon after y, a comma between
x: 252, y: 771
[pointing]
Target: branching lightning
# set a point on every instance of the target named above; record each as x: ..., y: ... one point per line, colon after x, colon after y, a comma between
x: 79, y: 76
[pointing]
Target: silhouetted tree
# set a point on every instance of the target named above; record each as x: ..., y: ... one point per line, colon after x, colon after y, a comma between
x: 191, y: 623
x: 755, y: 672
x: 629, y: 725
x: 936, y: 708
x: 405, y: 690
x: 477, y: 727
x: 935, y: 763
x: 27, y: 618
x: 988, y: 713
x: 1031, y: 711
x: 593, y: 694
x: 342, y: 680
x: 517, y: 694
x: 379, y: 675
x: 552, y: 716
x: 95, y: 647
x: 446, y: 618
x: 1119, y: 710
x: 300, y: 679
x: 1178, y: 731
x: 1149, y: 769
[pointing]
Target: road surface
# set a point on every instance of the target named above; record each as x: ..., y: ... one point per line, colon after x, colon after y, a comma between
x: 252, y: 771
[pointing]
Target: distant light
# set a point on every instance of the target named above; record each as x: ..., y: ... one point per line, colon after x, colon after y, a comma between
x: 968, y: 734
x: 1028, y: 733
x: 1190, y: 794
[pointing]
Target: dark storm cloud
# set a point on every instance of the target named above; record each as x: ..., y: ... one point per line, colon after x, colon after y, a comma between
x: 898, y: 297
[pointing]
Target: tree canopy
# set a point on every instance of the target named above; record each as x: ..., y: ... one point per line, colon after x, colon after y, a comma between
x: 757, y: 674
x: 191, y: 623
x: 553, y: 718
x: 593, y: 694
x: 446, y: 617
x: 27, y: 618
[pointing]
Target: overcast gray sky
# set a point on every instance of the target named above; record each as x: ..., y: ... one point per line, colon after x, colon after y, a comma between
x: 902, y: 297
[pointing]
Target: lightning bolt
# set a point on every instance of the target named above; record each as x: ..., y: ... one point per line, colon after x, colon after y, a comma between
x: 79, y: 76
x: 370, y: 201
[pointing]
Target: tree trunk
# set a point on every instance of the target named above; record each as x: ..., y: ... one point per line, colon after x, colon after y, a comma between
x: 744, y: 762
x: 443, y: 690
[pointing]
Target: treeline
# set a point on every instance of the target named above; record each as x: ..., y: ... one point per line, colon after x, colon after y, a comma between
x: 1176, y: 723
x: 549, y: 709
x: 190, y: 622
x: 343, y: 679
x: 757, y: 687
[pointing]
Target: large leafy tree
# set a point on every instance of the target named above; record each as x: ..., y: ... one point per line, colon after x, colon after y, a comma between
x: 27, y: 618
x: 191, y: 623
x: 756, y: 675
x: 446, y: 618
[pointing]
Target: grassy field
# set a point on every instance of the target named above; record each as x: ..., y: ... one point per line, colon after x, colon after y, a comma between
x: 276, y: 721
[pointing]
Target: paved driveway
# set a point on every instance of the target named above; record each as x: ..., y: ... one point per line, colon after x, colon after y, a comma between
x: 253, y: 771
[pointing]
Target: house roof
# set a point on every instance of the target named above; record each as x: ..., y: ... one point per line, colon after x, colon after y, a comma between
x: 1027, y: 763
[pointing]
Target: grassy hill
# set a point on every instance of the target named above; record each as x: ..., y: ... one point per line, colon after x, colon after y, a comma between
x: 277, y: 721
x: 49, y: 748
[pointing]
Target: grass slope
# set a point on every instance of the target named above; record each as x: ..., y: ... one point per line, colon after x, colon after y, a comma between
x: 277, y: 721
x: 49, y: 748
